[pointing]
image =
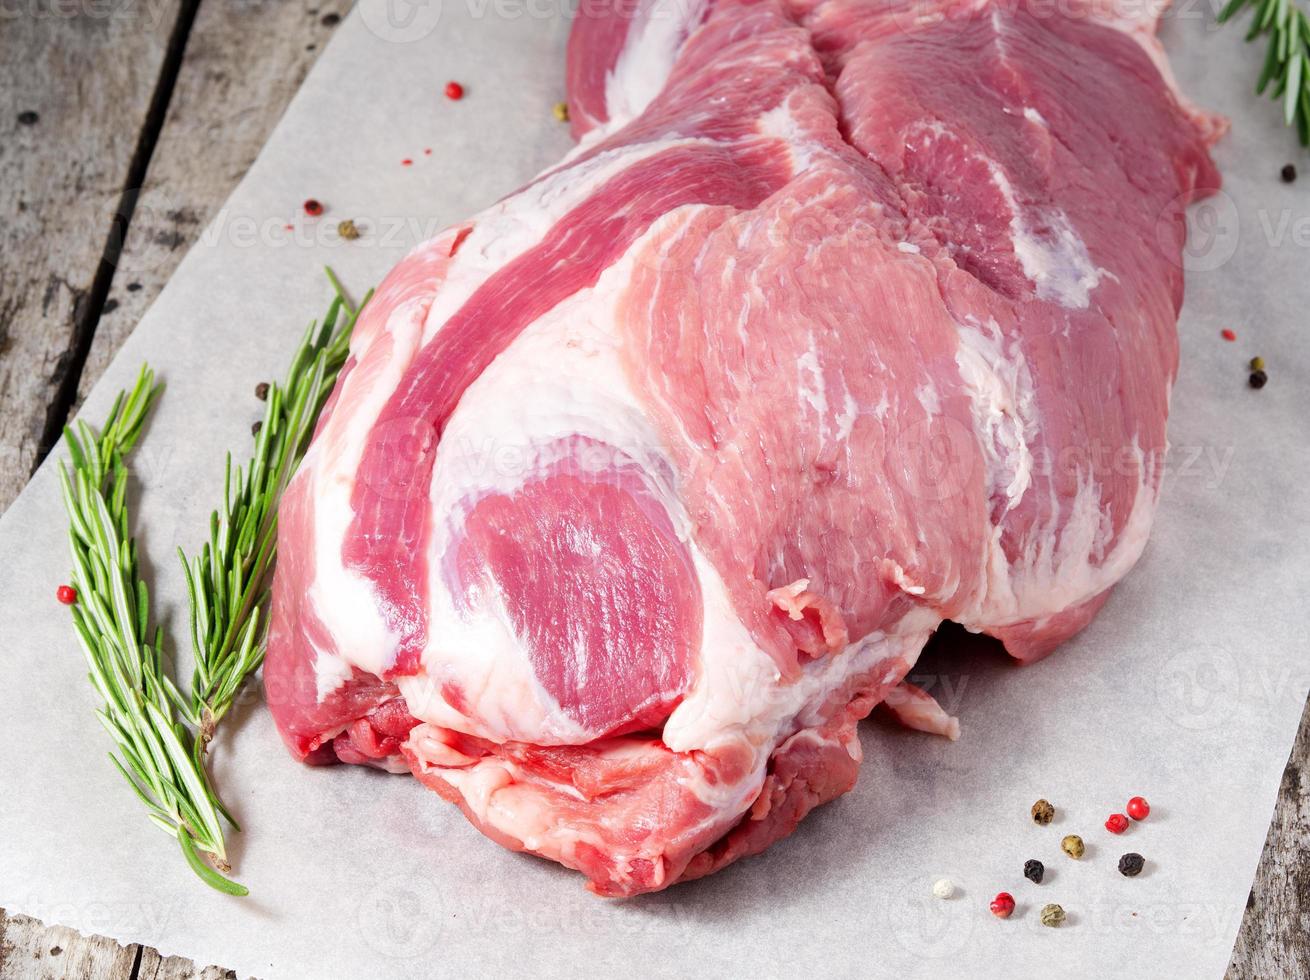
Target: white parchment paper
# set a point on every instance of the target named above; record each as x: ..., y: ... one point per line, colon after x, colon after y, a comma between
x: 1187, y: 689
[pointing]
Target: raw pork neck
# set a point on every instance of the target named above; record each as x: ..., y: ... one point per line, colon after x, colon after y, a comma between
x: 643, y: 486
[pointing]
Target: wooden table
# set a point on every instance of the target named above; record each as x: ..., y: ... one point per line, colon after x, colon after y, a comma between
x: 125, y: 125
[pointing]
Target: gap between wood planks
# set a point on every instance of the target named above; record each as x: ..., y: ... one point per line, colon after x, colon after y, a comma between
x: 57, y: 415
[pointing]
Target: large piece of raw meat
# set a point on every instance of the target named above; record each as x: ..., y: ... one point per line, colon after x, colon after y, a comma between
x: 643, y: 486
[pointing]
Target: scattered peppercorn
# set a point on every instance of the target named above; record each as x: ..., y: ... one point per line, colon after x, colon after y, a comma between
x: 1116, y: 823
x: 1034, y: 871
x: 28, y: 118
x: 454, y: 90
x: 1043, y: 813
x: 348, y: 230
x: 1289, y: 173
x: 261, y: 391
x: 562, y: 111
x: 1257, y: 364
x: 1228, y: 335
x: 254, y: 429
x: 66, y: 594
x: 407, y: 162
x: 1130, y: 865
x: 1002, y: 905
x: 1138, y: 808
x: 1052, y: 915
x: 1258, y: 380
x: 330, y: 20
x: 1073, y: 846
x: 313, y: 208
x: 943, y: 888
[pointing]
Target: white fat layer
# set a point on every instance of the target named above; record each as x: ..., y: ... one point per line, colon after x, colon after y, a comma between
x: 330, y: 672
x: 1033, y: 116
x: 1000, y: 389
x: 1052, y: 254
x: 504, y: 431
x: 647, y: 58
x: 507, y: 427
x: 343, y: 599
x: 1065, y: 561
x: 740, y: 698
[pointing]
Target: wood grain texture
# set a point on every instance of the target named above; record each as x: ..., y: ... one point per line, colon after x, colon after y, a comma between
x: 244, y: 60
x: 88, y: 72
x: 1274, y: 941
x: 31, y: 951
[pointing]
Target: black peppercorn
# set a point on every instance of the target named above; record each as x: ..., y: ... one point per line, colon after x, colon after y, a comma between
x: 1130, y: 865
x: 1259, y: 379
x: 254, y: 429
x: 1033, y: 871
x: 261, y: 391
x: 1289, y: 173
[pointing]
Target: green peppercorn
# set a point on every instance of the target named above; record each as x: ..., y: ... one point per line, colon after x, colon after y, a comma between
x: 1052, y: 915
x: 1073, y: 846
x: 1043, y: 813
x: 1033, y: 871
x: 1131, y: 864
x: 562, y: 111
x: 1257, y: 364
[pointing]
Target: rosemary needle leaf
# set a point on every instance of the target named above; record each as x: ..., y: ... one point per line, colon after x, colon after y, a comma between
x: 206, y: 873
x: 1286, y: 56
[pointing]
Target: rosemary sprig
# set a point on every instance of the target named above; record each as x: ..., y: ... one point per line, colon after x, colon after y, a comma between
x: 143, y: 711
x: 227, y: 582
x: 1287, y: 58
x: 162, y: 736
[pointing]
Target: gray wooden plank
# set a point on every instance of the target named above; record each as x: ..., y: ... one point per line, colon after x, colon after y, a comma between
x: 1275, y: 937
x: 156, y: 967
x: 76, y: 82
x: 32, y: 951
x: 243, y: 63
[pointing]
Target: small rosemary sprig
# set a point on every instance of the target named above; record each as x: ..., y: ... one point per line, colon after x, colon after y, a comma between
x: 1287, y: 58
x: 227, y: 583
x: 162, y: 736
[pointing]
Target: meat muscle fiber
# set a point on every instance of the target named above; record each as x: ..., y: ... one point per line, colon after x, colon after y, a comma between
x: 645, y: 485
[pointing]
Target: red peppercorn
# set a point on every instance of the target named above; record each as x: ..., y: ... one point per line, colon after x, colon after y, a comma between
x: 1138, y: 808
x: 1227, y: 334
x: 407, y: 162
x: 313, y: 208
x: 1117, y: 823
x: 454, y: 90
x: 1003, y: 905
x: 66, y: 594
